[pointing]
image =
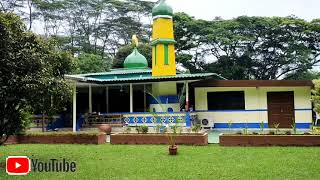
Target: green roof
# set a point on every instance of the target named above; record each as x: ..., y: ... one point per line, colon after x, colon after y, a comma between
x: 135, y: 60
x: 120, y: 76
x: 162, y: 9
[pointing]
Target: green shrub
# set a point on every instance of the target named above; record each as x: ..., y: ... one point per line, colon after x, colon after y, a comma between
x: 127, y: 130
x: 144, y: 129
x: 276, y: 126
x: 62, y: 133
x: 189, y: 130
x: 26, y: 121
x: 271, y: 133
x: 196, y: 128
x: 138, y: 129
x: 288, y: 132
x: 261, y: 126
x: 174, y: 128
x: 294, y: 127
x: 158, y: 127
x: 245, y: 131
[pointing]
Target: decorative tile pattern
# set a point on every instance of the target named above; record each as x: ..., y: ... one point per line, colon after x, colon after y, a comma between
x: 154, y: 119
x: 135, y: 119
x: 171, y: 119
x: 126, y: 120
x: 163, y: 119
x: 180, y: 119
x: 144, y: 120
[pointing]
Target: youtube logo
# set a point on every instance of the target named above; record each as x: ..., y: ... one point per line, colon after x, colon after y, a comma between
x: 18, y: 165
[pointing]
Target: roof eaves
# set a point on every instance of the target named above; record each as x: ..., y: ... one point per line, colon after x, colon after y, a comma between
x: 180, y: 76
x: 115, y: 72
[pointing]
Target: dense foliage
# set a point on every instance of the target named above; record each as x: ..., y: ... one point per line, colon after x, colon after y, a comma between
x: 91, y: 26
x: 239, y: 48
x: 90, y: 63
x: 31, y: 75
x: 248, y: 47
x: 316, y: 96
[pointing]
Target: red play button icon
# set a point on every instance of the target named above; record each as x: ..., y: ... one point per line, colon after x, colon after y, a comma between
x: 18, y: 165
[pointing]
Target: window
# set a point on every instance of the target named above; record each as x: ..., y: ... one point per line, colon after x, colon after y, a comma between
x: 230, y: 100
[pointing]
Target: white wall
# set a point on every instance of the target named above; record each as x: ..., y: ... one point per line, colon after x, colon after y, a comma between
x: 255, y: 104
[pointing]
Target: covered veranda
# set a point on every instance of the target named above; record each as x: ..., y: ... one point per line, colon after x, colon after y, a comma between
x: 124, y: 96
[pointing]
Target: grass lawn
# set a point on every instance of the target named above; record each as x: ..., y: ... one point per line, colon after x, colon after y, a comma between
x: 152, y: 162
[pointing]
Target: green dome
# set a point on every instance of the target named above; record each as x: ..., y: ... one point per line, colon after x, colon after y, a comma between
x: 162, y: 9
x: 135, y: 60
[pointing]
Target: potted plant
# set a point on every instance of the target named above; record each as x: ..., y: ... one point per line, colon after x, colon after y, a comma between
x: 106, y: 128
x: 173, y: 148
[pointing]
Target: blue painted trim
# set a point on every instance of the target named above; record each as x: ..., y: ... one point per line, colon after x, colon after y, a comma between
x: 303, y: 109
x: 256, y: 125
x: 246, y: 110
x: 129, y: 113
x: 240, y: 125
x: 132, y: 126
x: 303, y: 125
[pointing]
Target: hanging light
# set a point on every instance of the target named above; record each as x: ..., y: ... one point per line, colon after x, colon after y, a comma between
x: 121, y: 90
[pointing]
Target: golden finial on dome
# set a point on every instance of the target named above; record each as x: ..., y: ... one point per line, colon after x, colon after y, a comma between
x: 135, y: 40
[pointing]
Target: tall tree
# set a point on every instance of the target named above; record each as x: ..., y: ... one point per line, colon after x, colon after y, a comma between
x: 95, y: 26
x: 10, y: 5
x: 31, y: 75
x: 190, y: 45
x: 90, y: 63
x: 251, y: 47
x: 303, y: 75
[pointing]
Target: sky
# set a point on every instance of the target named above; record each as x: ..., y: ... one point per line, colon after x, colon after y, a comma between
x: 227, y: 9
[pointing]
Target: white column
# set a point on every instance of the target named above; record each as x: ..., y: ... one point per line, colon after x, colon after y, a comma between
x: 144, y: 98
x: 90, y: 98
x: 131, y: 98
x: 74, y: 108
x: 187, y: 96
x: 107, y: 99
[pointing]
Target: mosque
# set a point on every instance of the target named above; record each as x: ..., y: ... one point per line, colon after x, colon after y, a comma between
x: 135, y: 93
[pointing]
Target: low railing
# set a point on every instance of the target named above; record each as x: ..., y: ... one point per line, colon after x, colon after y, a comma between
x: 37, y: 120
x: 139, y: 118
x: 112, y: 119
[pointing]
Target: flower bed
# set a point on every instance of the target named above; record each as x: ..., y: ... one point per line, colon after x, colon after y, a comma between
x: 187, y: 139
x: 58, y: 138
x: 269, y: 140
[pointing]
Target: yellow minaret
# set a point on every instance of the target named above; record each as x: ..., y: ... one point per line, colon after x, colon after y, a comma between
x: 163, y: 54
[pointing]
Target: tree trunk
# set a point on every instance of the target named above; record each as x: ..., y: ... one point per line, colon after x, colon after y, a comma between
x: 43, y: 122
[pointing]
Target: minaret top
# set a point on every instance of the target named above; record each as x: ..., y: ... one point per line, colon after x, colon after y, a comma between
x: 162, y: 9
